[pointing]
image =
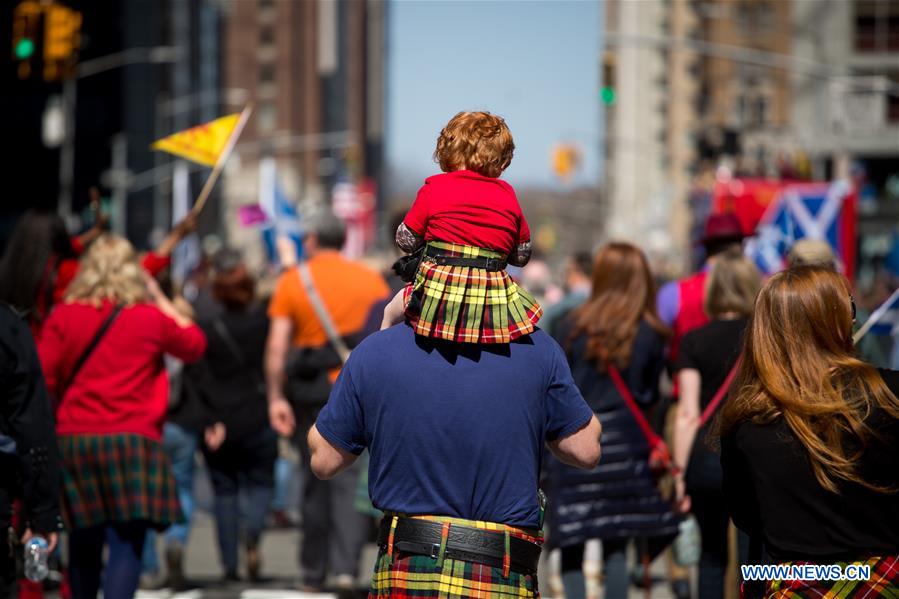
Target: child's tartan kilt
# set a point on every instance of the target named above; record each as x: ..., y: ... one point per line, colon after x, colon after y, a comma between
x: 117, y: 478
x: 468, y: 305
x: 884, y: 582
x: 405, y: 576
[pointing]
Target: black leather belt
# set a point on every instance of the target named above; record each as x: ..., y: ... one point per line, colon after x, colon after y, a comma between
x: 422, y: 537
x: 492, y: 264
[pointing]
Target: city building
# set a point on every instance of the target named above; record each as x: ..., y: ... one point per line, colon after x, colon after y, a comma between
x: 314, y: 72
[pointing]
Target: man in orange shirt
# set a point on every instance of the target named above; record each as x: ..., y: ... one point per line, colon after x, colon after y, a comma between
x: 333, y: 531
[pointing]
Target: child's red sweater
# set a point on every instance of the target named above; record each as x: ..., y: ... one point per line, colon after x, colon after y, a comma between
x: 470, y: 209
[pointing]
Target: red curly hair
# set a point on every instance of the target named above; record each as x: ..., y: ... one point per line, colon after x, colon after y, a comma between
x: 477, y: 141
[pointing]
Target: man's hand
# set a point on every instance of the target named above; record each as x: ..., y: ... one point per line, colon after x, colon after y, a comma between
x: 182, y: 229
x: 394, y: 312
x: 682, y: 503
x: 185, y: 226
x: 280, y: 415
x: 52, y: 539
x: 215, y: 436
x: 287, y: 251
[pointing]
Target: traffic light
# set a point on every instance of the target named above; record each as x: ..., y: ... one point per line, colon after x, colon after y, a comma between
x: 607, y: 92
x: 62, y: 38
x: 52, y: 28
x: 25, y: 30
x: 566, y: 158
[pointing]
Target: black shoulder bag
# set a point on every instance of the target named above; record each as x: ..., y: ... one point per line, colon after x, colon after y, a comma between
x: 101, y: 332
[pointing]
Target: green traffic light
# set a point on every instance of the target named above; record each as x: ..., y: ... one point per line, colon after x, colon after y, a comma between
x: 607, y: 94
x: 24, y: 48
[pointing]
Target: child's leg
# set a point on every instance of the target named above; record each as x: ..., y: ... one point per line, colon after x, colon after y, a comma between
x: 394, y: 312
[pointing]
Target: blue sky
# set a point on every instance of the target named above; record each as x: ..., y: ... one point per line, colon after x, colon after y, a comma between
x: 535, y: 63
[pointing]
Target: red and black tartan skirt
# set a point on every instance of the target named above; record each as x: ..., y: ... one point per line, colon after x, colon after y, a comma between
x: 117, y: 478
x: 466, y: 304
x: 884, y: 582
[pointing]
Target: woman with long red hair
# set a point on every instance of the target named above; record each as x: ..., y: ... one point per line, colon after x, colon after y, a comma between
x: 810, y: 439
x: 618, y: 501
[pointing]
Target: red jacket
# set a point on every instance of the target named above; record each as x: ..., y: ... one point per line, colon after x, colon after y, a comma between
x: 61, y: 273
x: 470, y: 209
x: 123, y: 386
x: 690, y: 315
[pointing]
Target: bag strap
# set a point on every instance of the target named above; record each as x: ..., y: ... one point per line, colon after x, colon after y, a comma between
x: 231, y: 343
x: 225, y: 335
x: 104, y: 327
x: 709, y: 410
x: 322, y: 312
x: 651, y: 437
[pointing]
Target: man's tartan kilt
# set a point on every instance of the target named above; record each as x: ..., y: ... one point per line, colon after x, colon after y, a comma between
x: 468, y: 305
x: 117, y: 478
x: 884, y: 582
x: 404, y: 576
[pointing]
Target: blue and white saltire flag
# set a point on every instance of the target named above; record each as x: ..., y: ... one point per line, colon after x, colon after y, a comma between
x: 822, y: 211
x: 884, y: 320
x: 283, y: 219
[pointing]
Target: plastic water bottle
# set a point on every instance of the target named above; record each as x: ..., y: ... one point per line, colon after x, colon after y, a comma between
x: 687, y: 547
x: 36, y: 552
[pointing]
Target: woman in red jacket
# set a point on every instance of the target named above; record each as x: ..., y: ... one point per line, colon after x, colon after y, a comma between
x: 41, y: 260
x: 111, y: 405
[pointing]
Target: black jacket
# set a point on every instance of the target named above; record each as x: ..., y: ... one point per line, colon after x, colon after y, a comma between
x: 30, y: 469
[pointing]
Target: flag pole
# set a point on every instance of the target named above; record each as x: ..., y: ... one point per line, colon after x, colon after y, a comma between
x: 876, y: 315
x: 220, y: 163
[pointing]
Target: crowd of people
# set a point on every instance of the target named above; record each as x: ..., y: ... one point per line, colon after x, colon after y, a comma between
x: 480, y: 404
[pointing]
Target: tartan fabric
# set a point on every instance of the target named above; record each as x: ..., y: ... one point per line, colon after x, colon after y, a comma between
x: 404, y: 576
x: 115, y: 478
x: 884, y: 582
x: 465, y: 304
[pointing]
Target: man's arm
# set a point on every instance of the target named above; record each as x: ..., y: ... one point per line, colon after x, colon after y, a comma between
x: 327, y: 461
x: 27, y: 412
x: 581, y: 448
x: 279, y: 410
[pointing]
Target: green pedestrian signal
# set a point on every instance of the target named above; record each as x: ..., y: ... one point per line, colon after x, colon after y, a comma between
x: 607, y: 95
x: 24, y: 48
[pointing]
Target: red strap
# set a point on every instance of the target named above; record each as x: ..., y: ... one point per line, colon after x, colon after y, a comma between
x: 709, y: 410
x: 651, y: 437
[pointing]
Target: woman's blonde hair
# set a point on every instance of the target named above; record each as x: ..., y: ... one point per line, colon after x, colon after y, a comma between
x: 799, y: 364
x: 732, y: 285
x: 109, y: 271
x: 478, y: 141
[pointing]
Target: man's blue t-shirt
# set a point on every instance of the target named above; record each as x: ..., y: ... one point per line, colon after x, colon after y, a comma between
x: 454, y: 429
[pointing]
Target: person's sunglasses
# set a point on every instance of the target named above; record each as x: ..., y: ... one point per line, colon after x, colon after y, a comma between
x: 852, y: 303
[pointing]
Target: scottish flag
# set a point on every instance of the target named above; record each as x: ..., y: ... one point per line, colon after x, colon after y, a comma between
x: 886, y: 317
x: 283, y: 220
x: 823, y: 211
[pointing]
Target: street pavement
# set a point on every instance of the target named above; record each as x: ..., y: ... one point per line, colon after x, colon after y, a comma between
x: 279, y: 563
x: 279, y: 554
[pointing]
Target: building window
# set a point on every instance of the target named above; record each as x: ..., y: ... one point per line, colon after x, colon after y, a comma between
x: 876, y: 26
x: 755, y: 16
x: 266, y: 118
x: 267, y: 73
x: 266, y: 36
x: 759, y: 111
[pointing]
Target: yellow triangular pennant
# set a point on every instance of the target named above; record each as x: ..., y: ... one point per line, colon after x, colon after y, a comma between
x: 202, y: 144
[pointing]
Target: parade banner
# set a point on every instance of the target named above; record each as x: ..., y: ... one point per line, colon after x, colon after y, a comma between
x: 202, y: 144
x: 748, y: 199
x: 825, y: 211
x: 209, y: 144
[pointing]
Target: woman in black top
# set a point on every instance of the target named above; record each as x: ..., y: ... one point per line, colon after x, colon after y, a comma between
x: 810, y: 438
x: 707, y: 356
x: 618, y: 501
x: 241, y: 447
